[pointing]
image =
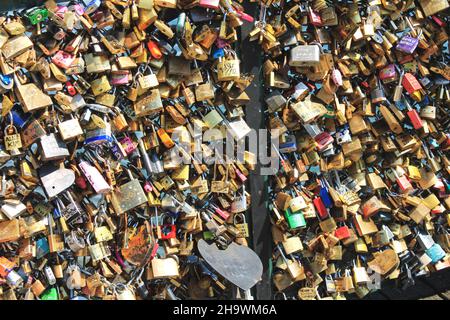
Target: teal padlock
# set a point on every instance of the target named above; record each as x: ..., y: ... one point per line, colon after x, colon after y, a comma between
x: 435, y: 252
x: 295, y: 220
x: 50, y: 294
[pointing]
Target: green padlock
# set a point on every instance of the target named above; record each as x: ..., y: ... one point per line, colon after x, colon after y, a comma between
x: 50, y: 294
x: 208, y: 235
x: 37, y: 15
x: 295, y: 220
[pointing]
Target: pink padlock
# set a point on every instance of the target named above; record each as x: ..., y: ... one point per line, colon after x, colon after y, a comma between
x: 63, y: 59
x: 323, y: 140
x: 241, y: 176
x: 95, y: 178
x: 439, y: 185
x: 244, y: 16
x: 120, y: 78
x: 211, y: 4
x: 128, y: 145
x: 61, y: 10
x: 315, y: 18
x: 388, y: 74
x: 336, y: 76
x: 78, y: 9
x: 148, y: 187
x: 223, y: 213
x: 404, y: 184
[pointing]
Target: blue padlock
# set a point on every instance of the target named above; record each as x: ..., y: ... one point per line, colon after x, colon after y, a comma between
x: 91, y: 6
x: 325, y: 196
x: 218, y: 53
x: 6, y: 81
x: 289, y: 145
x: 436, y: 253
x: 99, y: 136
x: 42, y: 248
x: 19, y: 117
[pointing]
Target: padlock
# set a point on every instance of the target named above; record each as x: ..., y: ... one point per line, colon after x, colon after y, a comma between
x: 242, y: 226
x: 295, y: 220
x: 151, y: 103
x: 163, y: 268
x: 128, y: 196
x: 13, y: 141
x: 99, y: 135
x: 52, y: 148
x: 94, y: 177
x: 70, y: 129
x: 147, y: 81
x: 304, y: 55
x: 228, y: 68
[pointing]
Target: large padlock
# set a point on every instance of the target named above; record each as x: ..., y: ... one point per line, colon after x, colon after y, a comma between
x: 128, y: 196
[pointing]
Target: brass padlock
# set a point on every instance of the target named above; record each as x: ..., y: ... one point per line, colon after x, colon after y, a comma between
x: 128, y: 196
x: 13, y: 141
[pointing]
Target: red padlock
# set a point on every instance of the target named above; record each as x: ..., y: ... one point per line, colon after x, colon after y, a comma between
x: 342, y: 232
x: 80, y: 181
x: 315, y: 18
x: 410, y: 83
x: 438, y: 21
x: 70, y: 88
x: 154, y: 49
x: 320, y: 207
x: 323, y: 140
x: 415, y: 119
x: 168, y: 231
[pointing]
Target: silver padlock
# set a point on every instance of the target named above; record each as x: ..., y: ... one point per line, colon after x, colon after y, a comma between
x: 52, y: 148
x: 13, y: 208
x: 100, y: 135
x: 85, y: 116
x: 240, y: 203
x: 56, y: 181
x: 425, y: 241
x: 124, y: 292
x: 304, y: 56
x: 275, y: 102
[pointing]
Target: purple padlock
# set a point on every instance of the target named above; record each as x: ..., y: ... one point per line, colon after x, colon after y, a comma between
x: 128, y: 145
x: 220, y: 43
x: 407, y: 44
